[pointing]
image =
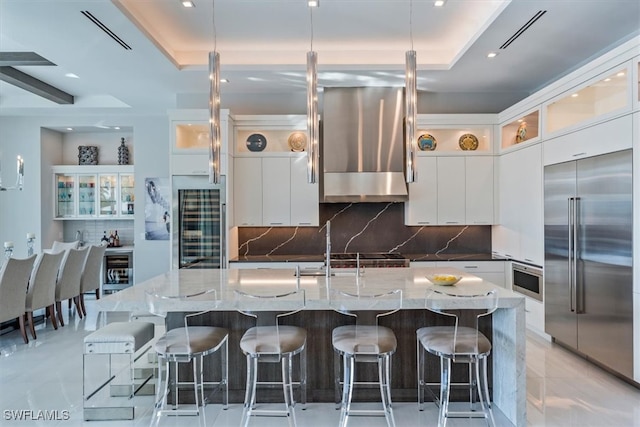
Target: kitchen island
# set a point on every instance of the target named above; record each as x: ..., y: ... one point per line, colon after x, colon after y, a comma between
x: 506, y: 329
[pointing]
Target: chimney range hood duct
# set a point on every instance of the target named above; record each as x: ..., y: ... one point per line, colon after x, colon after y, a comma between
x: 363, y: 145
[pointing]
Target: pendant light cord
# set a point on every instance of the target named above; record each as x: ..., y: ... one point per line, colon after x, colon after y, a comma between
x: 213, y: 18
x: 411, y: 22
x: 311, y: 21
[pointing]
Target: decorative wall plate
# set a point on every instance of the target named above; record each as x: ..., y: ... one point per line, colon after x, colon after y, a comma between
x: 297, y: 141
x: 427, y: 142
x: 256, y: 142
x: 468, y: 142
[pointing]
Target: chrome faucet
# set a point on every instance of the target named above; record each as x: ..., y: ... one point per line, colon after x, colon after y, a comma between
x: 328, y: 250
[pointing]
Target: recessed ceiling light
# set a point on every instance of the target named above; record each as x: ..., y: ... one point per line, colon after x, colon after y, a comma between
x: 187, y: 3
x: 607, y: 79
x: 116, y: 127
x: 224, y: 80
x: 69, y: 128
x: 438, y: 3
x: 575, y: 95
x: 492, y: 54
x: 620, y: 74
x: 71, y: 76
x: 313, y: 3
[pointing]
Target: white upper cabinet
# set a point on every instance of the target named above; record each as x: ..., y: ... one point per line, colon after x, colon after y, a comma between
x: 479, y: 190
x: 519, y: 234
x: 422, y: 207
x: 247, y: 196
x: 451, y: 191
x: 304, y: 196
x: 451, y: 184
x: 276, y: 191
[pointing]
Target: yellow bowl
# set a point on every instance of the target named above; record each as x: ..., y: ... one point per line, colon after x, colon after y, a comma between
x: 443, y: 279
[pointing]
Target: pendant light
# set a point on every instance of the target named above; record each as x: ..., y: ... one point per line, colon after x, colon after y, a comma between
x: 313, y: 123
x: 410, y: 107
x: 214, y: 109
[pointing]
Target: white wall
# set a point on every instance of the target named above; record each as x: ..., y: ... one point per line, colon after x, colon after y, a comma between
x: 31, y: 210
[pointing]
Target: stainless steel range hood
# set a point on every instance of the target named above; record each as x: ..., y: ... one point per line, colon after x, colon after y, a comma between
x: 363, y: 145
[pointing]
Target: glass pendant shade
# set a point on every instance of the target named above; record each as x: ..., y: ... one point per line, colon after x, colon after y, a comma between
x: 214, y: 118
x: 410, y: 107
x: 312, y: 117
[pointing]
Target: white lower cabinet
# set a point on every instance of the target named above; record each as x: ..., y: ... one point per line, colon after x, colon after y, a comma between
x: 274, y: 192
x: 491, y: 271
x: 451, y: 191
x: 534, y: 314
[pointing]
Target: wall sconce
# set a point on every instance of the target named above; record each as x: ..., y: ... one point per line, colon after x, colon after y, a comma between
x: 19, y: 173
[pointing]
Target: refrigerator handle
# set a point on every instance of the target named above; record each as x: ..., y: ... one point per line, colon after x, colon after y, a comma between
x: 577, y: 284
x: 570, y: 258
x: 223, y: 236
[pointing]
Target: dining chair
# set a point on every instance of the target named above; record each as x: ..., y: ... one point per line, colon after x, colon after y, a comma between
x: 271, y: 342
x: 63, y: 246
x: 14, y: 280
x: 187, y: 344
x: 459, y: 342
x: 68, y: 284
x: 91, y: 274
x: 42, y: 288
x: 365, y: 341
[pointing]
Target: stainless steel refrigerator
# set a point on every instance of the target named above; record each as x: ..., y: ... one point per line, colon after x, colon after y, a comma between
x: 198, y: 235
x: 588, y: 225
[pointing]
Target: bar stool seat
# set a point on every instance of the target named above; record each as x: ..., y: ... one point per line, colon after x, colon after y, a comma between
x: 118, y: 342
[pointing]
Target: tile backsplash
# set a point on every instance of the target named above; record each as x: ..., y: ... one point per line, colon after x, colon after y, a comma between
x: 364, y: 227
x: 93, y: 230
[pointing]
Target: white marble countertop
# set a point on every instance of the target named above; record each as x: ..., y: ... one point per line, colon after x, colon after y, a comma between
x: 192, y: 283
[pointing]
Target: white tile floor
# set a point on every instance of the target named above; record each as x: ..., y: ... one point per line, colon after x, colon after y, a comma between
x: 562, y: 389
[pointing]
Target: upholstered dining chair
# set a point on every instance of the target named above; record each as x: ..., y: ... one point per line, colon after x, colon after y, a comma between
x: 271, y: 342
x: 14, y: 279
x: 365, y: 341
x: 68, y: 285
x: 63, y: 246
x: 91, y: 274
x: 42, y: 288
x: 457, y: 343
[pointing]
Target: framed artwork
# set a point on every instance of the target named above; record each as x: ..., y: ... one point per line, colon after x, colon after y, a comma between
x: 157, y: 220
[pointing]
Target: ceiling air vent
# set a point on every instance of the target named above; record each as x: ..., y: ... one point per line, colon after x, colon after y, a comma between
x: 522, y: 29
x: 106, y: 29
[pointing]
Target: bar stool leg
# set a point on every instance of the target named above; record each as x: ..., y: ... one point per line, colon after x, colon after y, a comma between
x: 337, y: 361
x: 347, y: 388
x: 484, y: 389
x: 303, y: 379
x: 384, y: 369
x: 444, y: 391
x: 224, y: 357
x: 249, y: 397
x: 287, y: 388
x: 421, y: 381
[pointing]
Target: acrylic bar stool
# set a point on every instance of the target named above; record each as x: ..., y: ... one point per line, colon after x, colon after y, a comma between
x: 187, y: 345
x: 367, y: 342
x: 271, y: 342
x: 457, y: 344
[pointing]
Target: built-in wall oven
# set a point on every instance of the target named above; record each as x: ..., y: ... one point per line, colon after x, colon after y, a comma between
x: 198, y: 225
x: 527, y: 280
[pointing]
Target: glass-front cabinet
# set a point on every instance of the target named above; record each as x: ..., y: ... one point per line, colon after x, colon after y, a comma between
x: 65, y: 201
x: 85, y: 192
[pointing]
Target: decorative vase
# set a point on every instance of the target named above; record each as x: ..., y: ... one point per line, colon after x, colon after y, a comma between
x: 521, y: 134
x: 87, y: 155
x: 123, y: 153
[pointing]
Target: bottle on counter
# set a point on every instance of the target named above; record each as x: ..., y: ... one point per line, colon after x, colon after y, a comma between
x: 112, y: 239
x: 105, y: 239
x: 116, y: 239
